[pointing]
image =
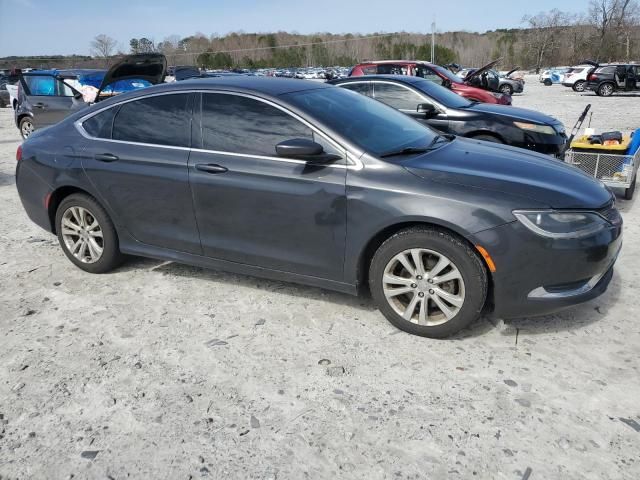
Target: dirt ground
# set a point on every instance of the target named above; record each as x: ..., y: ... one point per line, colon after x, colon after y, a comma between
x: 171, y: 372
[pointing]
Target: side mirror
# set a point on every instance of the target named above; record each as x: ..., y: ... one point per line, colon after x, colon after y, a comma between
x: 426, y: 109
x: 303, y: 149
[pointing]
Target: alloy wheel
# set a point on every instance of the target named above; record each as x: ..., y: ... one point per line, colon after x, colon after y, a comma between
x: 26, y: 128
x: 82, y: 234
x: 606, y: 90
x: 423, y: 287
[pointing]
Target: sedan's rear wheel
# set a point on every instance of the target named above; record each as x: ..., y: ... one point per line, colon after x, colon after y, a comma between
x: 428, y: 282
x: 87, y: 235
x: 26, y: 127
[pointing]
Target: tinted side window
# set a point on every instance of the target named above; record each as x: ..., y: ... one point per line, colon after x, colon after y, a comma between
x: 397, y: 97
x: 99, y: 125
x: 40, y: 85
x: 390, y: 69
x: 364, y: 88
x: 159, y: 120
x: 428, y: 74
x: 609, y: 70
x: 232, y: 123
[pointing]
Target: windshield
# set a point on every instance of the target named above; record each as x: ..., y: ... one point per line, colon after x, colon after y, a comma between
x: 443, y: 71
x: 370, y: 124
x: 442, y: 95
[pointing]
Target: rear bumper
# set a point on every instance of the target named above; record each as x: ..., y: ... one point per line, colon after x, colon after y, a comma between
x: 33, y: 192
x: 538, y: 276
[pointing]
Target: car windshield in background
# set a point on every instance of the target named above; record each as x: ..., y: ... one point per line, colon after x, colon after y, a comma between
x: 447, y: 73
x: 442, y: 95
x: 367, y: 123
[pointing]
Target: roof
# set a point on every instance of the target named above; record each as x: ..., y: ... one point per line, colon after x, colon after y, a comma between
x: 395, y: 78
x: 273, y: 86
x: 401, y: 62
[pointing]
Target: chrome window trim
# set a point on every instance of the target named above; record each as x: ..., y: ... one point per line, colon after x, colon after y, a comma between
x: 353, y: 160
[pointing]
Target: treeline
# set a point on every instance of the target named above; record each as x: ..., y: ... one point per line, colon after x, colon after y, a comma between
x: 608, y: 31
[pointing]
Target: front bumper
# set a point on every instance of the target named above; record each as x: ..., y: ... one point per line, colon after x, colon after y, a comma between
x: 537, y: 275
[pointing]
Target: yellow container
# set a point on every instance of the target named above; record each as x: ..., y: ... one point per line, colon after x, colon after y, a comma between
x: 582, y: 143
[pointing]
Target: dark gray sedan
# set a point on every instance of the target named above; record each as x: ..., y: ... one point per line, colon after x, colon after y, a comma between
x: 311, y: 183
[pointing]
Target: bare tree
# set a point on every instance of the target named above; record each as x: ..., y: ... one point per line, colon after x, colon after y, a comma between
x: 543, y: 35
x: 614, y: 21
x: 103, y: 47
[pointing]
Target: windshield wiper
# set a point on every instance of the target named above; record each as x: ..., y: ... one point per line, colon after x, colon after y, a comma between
x: 414, y: 150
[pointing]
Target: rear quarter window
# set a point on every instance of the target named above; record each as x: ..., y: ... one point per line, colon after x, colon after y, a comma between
x: 100, y: 125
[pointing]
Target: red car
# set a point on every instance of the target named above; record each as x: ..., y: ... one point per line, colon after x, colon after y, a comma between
x: 432, y: 72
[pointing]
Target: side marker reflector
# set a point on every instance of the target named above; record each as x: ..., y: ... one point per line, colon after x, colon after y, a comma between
x: 487, y: 258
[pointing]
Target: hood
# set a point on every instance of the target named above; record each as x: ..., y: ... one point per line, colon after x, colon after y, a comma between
x: 511, y: 71
x: 537, y: 179
x: 516, y: 113
x: 481, y: 70
x: 151, y: 67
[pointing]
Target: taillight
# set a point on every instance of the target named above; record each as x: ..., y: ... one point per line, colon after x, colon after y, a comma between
x: 593, y: 76
x: 19, y: 153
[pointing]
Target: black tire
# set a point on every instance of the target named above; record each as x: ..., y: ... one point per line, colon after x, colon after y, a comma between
x: 579, y: 86
x: 506, y: 89
x: 487, y: 138
x: 548, y: 82
x: 605, y: 90
x: 111, y: 256
x: 628, y: 192
x: 463, y: 256
x: 26, y: 127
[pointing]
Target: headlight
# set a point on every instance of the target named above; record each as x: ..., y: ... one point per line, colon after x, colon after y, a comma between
x: 532, y: 127
x: 554, y: 224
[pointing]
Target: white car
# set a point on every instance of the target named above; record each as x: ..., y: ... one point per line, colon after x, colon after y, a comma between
x: 13, y: 95
x: 576, y: 78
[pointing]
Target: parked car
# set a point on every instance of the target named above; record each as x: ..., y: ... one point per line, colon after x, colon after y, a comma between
x: 447, y: 112
x: 608, y: 79
x: 577, y: 77
x: 46, y: 97
x: 322, y: 186
x: 434, y: 73
x: 490, y: 79
x: 553, y: 75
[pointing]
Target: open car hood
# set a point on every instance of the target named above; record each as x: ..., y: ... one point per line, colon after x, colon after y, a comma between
x: 151, y: 67
x: 511, y: 71
x: 481, y: 70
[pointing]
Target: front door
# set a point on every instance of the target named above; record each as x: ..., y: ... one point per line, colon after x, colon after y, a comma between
x: 136, y: 158
x: 259, y: 209
x: 50, y: 98
x: 407, y: 100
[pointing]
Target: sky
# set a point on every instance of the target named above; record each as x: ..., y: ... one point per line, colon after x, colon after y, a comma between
x: 61, y: 27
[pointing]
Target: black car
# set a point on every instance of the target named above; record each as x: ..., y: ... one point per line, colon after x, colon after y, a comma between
x: 608, y: 79
x: 448, y: 112
x: 315, y: 184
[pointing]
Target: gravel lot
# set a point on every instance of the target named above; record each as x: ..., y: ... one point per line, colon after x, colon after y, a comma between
x: 167, y: 371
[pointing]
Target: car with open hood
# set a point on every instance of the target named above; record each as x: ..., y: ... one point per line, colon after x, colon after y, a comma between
x: 489, y: 79
x: 434, y: 73
x: 306, y: 182
x: 447, y: 112
x: 46, y: 97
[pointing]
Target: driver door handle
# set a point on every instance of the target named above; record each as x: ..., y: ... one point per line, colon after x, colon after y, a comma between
x: 105, y: 157
x: 211, y: 168
x: 40, y: 105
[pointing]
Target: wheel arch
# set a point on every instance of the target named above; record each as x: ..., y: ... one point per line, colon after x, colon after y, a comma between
x: 369, y: 250
x: 57, y: 196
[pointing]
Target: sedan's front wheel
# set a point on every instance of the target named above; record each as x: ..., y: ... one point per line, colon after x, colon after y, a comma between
x: 26, y: 127
x: 87, y: 235
x: 428, y: 282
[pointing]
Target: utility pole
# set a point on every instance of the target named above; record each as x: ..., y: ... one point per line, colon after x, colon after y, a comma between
x: 433, y: 41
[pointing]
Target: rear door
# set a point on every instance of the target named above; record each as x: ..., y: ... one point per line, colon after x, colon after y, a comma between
x: 136, y: 156
x: 259, y: 209
x: 406, y: 100
x: 50, y: 99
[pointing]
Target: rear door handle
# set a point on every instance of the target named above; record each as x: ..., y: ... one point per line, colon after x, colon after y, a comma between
x: 211, y: 168
x: 40, y: 105
x: 105, y: 157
